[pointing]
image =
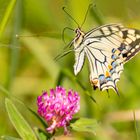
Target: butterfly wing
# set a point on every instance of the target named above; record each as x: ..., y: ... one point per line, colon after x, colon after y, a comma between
x: 107, y: 49
x: 79, y: 59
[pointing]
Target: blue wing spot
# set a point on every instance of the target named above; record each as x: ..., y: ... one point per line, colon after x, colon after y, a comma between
x: 102, y: 79
x: 113, y: 50
x: 114, y: 56
x: 114, y: 64
x: 108, y: 78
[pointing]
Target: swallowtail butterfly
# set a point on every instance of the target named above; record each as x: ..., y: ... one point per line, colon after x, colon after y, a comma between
x: 107, y: 49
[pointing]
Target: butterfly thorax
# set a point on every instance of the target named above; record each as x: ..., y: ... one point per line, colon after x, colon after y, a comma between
x: 79, y: 37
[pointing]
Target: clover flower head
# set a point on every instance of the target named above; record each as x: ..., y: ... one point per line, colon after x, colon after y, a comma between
x: 58, y: 107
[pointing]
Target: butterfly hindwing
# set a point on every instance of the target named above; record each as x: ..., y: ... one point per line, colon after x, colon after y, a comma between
x: 105, y: 67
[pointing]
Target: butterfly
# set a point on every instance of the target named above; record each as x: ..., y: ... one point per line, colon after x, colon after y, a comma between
x: 107, y: 49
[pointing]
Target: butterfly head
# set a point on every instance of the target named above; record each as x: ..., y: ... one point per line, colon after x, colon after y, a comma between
x: 79, y: 37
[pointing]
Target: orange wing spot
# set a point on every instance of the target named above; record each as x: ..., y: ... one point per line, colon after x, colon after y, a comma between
x: 94, y: 82
x: 107, y: 74
x: 110, y: 67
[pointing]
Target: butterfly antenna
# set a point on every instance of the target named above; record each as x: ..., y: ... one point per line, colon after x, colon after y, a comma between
x: 70, y: 16
x: 90, y: 5
x: 64, y: 32
x: 59, y: 56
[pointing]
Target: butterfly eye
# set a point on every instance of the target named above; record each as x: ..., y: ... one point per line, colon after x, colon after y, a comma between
x: 76, y: 31
x: 79, y: 32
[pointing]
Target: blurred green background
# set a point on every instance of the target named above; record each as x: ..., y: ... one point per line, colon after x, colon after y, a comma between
x: 27, y: 63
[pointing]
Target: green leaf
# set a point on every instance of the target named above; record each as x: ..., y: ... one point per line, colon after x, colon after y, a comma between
x: 6, y: 16
x: 85, y: 125
x: 42, y: 135
x: 20, y: 124
x: 9, y: 138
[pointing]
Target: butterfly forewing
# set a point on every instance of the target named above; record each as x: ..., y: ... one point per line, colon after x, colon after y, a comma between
x: 107, y: 48
x: 131, y: 43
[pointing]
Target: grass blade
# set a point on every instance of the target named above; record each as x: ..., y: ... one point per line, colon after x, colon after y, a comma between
x: 6, y: 16
x: 135, y: 126
x: 96, y: 13
x: 15, y: 51
x: 9, y: 138
x: 20, y: 124
x: 38, y: 117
